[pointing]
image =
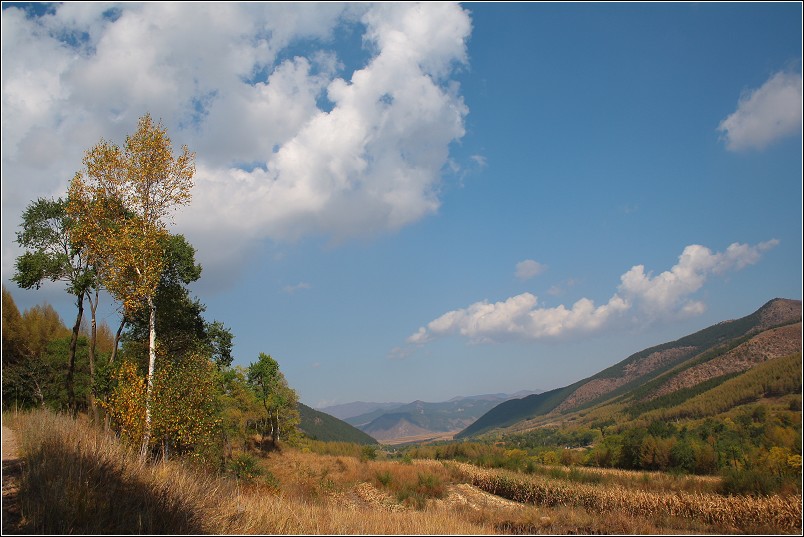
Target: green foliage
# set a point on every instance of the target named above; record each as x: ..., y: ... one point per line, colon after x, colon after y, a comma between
x: 368, y: 453
x: 239, y: 410
x: 185, y: 406
x: 279, y: 401
x: 179, y: 317
x: 749, y: 481
x: 245, y: 467
x: 50, y: 253
x: 36, y: 350
x: 219, y: 343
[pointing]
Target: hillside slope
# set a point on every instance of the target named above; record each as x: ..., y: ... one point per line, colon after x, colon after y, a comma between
x: 726, y: 348
x: 320, y: 426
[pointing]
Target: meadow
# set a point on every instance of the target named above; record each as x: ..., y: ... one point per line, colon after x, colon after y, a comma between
x: 77, y: 478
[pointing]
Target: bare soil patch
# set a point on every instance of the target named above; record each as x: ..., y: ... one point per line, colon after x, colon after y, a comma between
x: 12, y: 469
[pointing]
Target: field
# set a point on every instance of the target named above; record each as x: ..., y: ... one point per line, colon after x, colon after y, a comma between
x: 78, y: 479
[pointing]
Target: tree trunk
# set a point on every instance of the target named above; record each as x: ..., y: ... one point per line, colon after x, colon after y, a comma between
x: 278, y: 431
x: 71, y: 368
x: 146, y: 436
x: 117, y: 339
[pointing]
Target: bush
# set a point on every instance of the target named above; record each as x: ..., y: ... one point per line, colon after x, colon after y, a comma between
x: 384, y: 478
x: 749, y: 481
x: 368, y: 453
x: 245, y: 467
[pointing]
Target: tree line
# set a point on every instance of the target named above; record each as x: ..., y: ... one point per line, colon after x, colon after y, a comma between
x: 163, y: 379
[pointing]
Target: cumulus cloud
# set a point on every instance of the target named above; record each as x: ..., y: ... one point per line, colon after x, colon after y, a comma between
x: 289, y: 140
x: 648, y: 298
x: 528, y: 269
x: 766, y: 114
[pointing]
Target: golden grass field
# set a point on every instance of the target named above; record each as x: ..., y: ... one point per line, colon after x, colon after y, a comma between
x: 78, y: 479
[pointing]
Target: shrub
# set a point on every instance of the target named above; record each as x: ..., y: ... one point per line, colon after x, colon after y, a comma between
x: 384, y: 478
x: 368, y: 453
x: 245, y: 467
x: 750, y: 481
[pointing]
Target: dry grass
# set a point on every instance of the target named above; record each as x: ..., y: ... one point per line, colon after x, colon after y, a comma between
x: 77, y: 479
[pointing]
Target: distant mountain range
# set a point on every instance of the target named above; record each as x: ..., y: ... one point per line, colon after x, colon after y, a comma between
x: 419, y: 420
x: 664, y: 375
x: 350, y: 410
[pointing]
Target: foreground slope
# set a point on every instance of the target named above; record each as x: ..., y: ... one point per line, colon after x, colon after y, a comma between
x: 715, y: 352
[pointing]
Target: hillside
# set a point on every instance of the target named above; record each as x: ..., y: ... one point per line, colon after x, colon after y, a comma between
x: 717, y: 352
x: 320, y: 426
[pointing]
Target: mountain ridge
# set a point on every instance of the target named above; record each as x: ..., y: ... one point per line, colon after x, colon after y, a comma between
x: 646, y: 366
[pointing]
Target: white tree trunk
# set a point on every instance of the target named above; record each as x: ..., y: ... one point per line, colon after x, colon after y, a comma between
x: 146, y: 435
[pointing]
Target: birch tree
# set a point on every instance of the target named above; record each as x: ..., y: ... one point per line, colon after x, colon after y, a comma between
x: 278, y: 399
x: 122, y: 202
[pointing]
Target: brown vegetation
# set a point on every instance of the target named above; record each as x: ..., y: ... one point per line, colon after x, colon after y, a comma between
x: 727, y: 513
x: 597, y: 387
x: 764, y: 346
x: 78, y: 479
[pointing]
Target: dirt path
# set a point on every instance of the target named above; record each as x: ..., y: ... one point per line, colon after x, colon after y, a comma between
x: 12, y: 468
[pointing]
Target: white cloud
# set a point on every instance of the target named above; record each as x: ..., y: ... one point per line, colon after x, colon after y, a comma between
x: 650, y: 298
x: 528, y: 269
x: 766, y: 114
x: 479, y: 160
x: 290, y: 289
x: 287, y: 144
x: 667, y: 294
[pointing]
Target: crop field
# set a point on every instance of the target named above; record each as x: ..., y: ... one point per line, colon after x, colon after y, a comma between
x: 775, y: 513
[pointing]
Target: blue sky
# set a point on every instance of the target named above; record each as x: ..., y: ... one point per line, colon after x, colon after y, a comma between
x: 404, y: 201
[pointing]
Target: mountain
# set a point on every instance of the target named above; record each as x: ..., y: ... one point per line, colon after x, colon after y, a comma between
x: 420, y: 419
x: 350, y: 410
x: 320, y: 426
x: 706, y: 358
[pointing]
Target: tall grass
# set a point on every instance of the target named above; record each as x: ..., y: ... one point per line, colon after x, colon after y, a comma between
x: 77, y: 479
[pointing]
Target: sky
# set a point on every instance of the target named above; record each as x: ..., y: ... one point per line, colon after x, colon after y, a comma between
x: 403, y: 201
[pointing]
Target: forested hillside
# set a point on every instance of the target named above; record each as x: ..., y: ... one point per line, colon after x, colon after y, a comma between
x: 321, y: 426
x: 713, y: 353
